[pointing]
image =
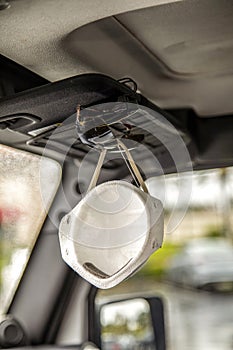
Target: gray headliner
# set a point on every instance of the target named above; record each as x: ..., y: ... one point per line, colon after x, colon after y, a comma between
x: 180, y: 54
x: 32, y: 31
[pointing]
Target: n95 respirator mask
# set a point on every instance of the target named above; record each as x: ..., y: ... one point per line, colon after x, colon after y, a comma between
x: 113, y: 230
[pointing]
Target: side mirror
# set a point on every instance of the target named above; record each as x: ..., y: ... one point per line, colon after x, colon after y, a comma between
x: 132, y: 324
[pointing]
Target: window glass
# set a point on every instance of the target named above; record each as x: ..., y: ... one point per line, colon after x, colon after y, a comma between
x: 193, y: 272
x: 28, y: 184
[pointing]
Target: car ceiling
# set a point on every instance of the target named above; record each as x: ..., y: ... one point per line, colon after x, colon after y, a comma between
x: 180, y: 53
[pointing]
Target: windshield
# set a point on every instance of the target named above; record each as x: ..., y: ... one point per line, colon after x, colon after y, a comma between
x: 22, y: 212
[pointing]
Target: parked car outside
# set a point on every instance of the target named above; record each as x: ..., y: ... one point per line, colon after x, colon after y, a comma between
x: 203, y: 263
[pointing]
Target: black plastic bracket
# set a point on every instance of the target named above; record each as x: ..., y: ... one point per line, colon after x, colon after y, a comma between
x: 54, y: 102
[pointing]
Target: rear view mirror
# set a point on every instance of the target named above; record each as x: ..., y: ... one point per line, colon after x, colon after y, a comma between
x: 133, y: 324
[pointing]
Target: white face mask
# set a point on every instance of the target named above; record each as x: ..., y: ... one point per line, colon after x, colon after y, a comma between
x: 113, y: 230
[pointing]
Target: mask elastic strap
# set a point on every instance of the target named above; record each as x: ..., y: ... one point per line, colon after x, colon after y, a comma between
x: 97, y: 170
x: 133, y: 166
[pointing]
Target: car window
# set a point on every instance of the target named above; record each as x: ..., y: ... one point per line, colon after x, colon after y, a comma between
x: 28, y: 184
x: 193, y: 272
